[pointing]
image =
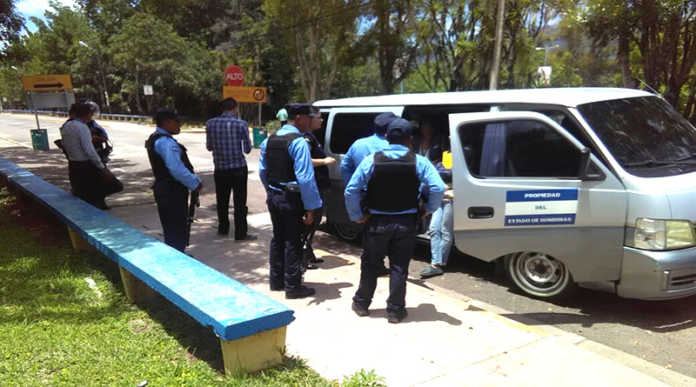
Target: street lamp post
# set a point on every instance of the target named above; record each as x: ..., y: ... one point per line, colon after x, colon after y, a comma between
x: 13, y: 67
x: 103, y: 75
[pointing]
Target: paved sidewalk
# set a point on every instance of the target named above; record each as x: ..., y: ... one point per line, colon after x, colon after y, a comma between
x: 446, y: 340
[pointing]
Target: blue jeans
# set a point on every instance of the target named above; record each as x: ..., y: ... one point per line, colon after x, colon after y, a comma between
x: 441, y: 233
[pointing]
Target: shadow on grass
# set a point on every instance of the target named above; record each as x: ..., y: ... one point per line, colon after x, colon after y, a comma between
x: 199, y: 341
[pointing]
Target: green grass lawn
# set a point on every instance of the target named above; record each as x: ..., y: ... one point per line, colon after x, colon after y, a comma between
x: 65, y: 321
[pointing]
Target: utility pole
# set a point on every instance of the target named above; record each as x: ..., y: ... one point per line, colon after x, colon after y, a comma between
x: 498, y: 45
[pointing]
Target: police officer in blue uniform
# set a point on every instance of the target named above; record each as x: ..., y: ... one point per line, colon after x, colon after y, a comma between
x: 391, y: 182
x: 366, y: 146
x: 321, y: 162
x: 174, y: 178
x: 286, y: 171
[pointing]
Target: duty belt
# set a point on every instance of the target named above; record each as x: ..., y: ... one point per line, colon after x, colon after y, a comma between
x: 289, y: 187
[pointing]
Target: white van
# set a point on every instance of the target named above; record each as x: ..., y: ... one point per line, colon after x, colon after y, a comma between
x: 594, y: 186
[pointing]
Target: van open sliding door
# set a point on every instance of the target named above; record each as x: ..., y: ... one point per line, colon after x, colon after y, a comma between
x: 346, y: 125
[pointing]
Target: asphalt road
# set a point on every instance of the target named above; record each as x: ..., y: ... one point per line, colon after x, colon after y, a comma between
x: 663, y: 332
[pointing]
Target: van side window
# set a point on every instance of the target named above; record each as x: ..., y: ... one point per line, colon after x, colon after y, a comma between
x: 348, y: 127
x: 524, y: 148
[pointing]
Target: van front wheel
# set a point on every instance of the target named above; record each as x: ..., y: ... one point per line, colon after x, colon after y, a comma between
x: 539, y: 275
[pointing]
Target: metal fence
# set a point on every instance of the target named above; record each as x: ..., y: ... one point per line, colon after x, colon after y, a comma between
x: 115, y: 117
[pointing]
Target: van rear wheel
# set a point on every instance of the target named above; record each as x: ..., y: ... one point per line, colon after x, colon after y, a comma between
x: 539, y: 275
x: 348, y: 231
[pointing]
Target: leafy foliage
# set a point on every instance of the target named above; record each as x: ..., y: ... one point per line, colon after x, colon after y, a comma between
x: 308, y: 50
x: 10, y: 22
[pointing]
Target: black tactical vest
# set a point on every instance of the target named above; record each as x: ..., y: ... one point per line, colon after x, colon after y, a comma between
x: 159, y: 168
x: 393, y: 186
x: 279, y: 164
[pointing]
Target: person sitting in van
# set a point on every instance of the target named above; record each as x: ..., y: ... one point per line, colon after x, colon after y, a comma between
x: 366, y: 146
x: 429, y: 142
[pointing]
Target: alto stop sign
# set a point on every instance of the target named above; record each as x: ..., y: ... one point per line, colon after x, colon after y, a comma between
x: 234, y: 76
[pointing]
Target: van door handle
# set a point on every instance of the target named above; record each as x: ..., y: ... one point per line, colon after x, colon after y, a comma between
x: 480, y: 212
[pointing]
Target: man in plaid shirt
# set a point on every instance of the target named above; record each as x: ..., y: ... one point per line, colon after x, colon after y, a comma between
x: 227, y: 137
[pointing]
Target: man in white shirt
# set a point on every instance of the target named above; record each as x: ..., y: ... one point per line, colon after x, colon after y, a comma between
x: 90, y: 180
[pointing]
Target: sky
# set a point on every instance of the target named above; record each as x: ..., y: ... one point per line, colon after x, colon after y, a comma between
x: 28, y: 8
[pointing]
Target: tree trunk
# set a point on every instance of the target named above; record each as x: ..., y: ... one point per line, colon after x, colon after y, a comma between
x: 622, y: 54
x: 138, y: 104
x: 498, y: 45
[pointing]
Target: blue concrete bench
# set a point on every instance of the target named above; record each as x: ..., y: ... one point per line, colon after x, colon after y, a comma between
x: 251, y: 326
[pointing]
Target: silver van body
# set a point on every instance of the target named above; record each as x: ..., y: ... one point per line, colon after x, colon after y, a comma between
x: 611, y: 215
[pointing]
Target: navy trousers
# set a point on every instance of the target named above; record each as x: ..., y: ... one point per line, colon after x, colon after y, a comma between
x: 286, y: 247
x: 172, y: 206
x: 393, y: 236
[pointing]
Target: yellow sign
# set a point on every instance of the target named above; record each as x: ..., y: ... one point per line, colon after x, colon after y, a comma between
x: 245, y: 93
x: 47, y: 82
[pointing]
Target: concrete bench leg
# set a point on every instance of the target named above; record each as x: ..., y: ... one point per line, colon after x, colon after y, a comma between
x: 253, y: 353
x: 137, y: 292
x: 78, y: 243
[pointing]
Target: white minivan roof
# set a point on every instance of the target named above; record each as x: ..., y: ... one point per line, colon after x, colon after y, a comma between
x: 569, y: 97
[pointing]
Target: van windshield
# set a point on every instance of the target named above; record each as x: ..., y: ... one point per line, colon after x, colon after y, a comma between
x: 646, y: 135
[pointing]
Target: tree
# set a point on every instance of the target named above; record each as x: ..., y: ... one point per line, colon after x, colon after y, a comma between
x: 11, y: 23
x: 394, y: 33
x: 449, y: 31
x: 194, y: 19
x: 664, y: 32
x: 320, y: 36
x: 60, y: 51
x: 582, y: 61
x: 148, y: 51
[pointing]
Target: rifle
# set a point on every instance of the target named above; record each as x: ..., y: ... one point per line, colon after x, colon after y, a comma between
x: 195, y: 202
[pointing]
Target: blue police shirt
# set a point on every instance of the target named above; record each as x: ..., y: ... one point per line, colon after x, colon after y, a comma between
x: 170, y: 151
x: 356, y: 190
x: 357, y: 152
x: 304, y: 171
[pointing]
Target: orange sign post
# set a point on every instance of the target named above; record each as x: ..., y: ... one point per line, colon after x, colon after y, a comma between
x: 245, y: 93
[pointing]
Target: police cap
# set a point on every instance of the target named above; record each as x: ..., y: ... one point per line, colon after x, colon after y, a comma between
x: 295, y: 109
x: 383, y: 120
x: 399, y: 128
x: 165, y: 114
x: 314, y: 112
